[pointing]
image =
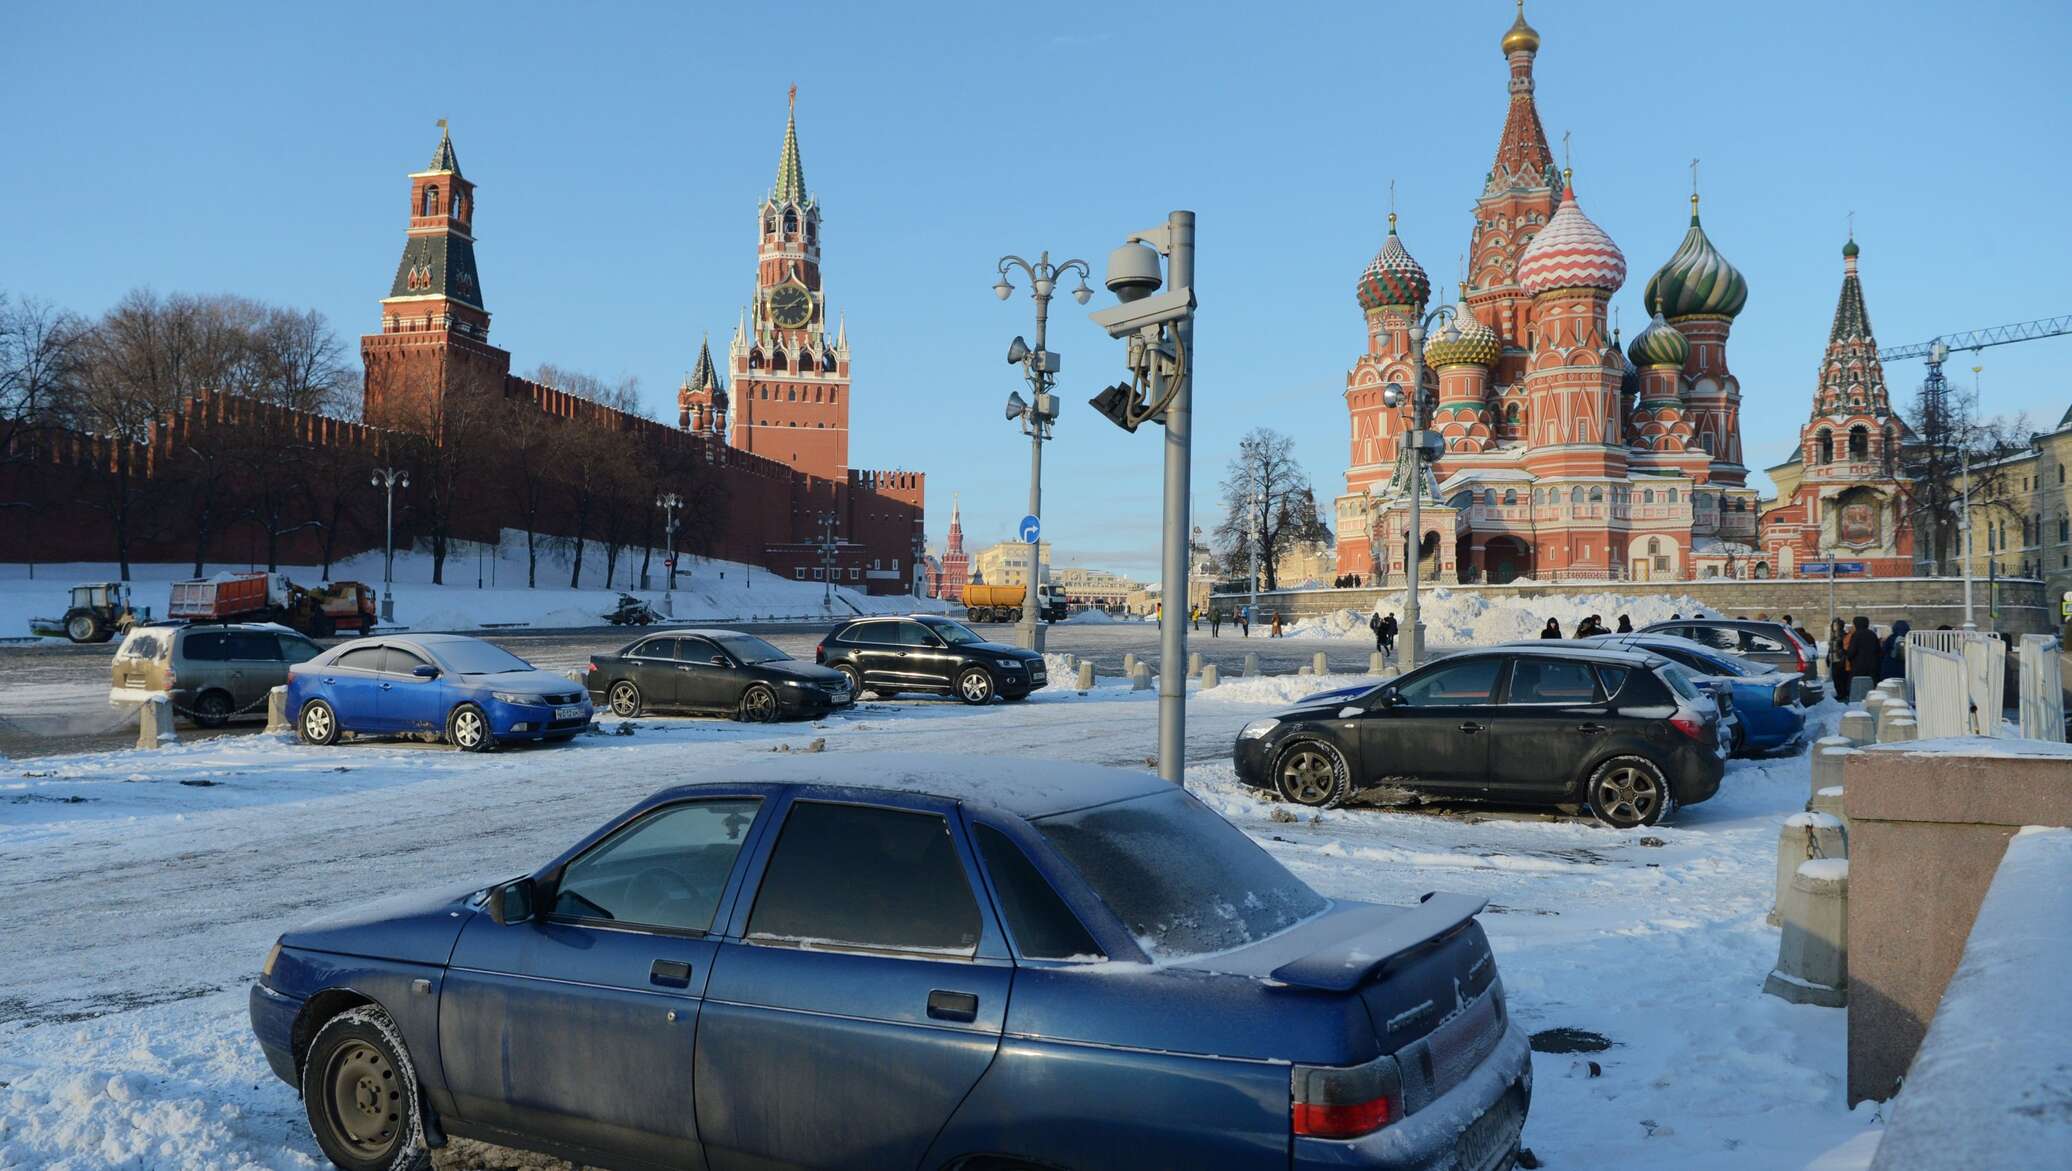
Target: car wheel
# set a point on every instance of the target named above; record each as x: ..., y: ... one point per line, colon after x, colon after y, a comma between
x: 624, y: 698
x: 317, y: 724
x: 975, y: 685
x: 1312, y: 773
x: 360, y: 1092
x: 1627, y: 792
x: 468, y: 729
x: 212, y: 709
x: 854, y: 680
x: 83, y: 628
x: 758, y: 705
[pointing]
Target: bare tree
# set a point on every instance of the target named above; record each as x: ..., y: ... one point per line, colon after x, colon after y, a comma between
x: 41, y: 350
x: 1268, y: 505
x: 1946, y: 433
x: 593, y: 475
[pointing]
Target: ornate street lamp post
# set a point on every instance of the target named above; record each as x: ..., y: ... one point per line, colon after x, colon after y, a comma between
x: 388, y: 480
x: 1040, y: 367
x: 1423, y: 448
x: 669, y: 502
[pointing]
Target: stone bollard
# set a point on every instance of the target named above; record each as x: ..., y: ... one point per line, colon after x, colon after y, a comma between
x: 1391, y: 672
x: 277, y: 709
x: 1251, y: 665
x: 1813, y: 955
x: 155, y: 723
x: 1305, y: 669
x: 1377, y: 663
x: 1208, y: 676
x: 1140, y: 678
x: 1193, y: 664
x: 1895, y: 731
x: 1875, y: 702
x: 1086, y: 676
x: 1859, y: 686
x: 1896, y: 709
x: 1804, y: 837
x: 1829, y: 801
x: 1129, y: 662
x: 1858, y: 726
x: 1829, y: 753
x: 1322, y: 664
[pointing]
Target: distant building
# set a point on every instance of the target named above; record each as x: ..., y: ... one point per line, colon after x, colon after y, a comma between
x: 1097, y: 589
x: 949, y: 573
x: 1006, y: 562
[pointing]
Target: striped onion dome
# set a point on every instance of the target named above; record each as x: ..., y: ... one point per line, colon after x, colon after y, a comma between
x: 1473, y: 343
x: 1697, y: 280
x: 1393, y: 278
x: 1571, y: 252
x: 1660, y: 344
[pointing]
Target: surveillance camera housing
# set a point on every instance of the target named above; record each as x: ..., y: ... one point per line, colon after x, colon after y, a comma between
x: 1131, y: 316
x: 1133, y: 272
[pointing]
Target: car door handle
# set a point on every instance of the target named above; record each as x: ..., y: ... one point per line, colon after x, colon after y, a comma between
x: 1470, y: 727
x: 1590, y: 729
x: 386, y: 686
x: 670, y: 974
x: 952, y: 1006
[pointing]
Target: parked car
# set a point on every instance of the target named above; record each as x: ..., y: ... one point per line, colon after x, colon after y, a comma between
x: 722, y: 671
x: 928, y: 653
x: 474, y: 694
x: 1766, y: 699
x: 1773, y: 643
x: 933, y: 963
x: 1624, y: 734
x: 210, y: 672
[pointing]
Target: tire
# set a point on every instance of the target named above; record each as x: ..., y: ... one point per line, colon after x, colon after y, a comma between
x: 84, y: 627
x: 758, y: 705
x: 212, y: 709
x: 624, y: 699
x: 1312, y: 773
x: 1015, y: 615
x: 855, y: 680
x: 316, y: 723
x: 360, y: 1092
x: 975, y: 686
x: 467, y: 729
x: 1627, y: 792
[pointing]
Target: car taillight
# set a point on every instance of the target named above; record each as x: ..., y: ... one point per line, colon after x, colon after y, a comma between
x: 172, y: 679
x: 1329, y: 1101
x: 820, y: 652
x: 1690, y: 726
x: 1798, y: 650
x: 1786, y: 692
x: 592, y: 667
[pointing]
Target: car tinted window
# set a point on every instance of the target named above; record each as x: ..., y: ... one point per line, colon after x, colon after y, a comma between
x: 253, y: 645
x: 1535, y: 680
x: 1183, y: 881
x: 870, y: 634
x: 1679, y: 680
x: 750, y: 649
x: 1613, y: 679
x: 473, y: 657
x: 912, y: 634
x: 695, y: 650
x: 1760, y: 644
x: 656, y: 648
x: 954, y: 633
x: 856, y: 876
x: 1468, y: 681
x: 1716, y: 637
x: 1044, y: 928
x: 366, y: 658
x: 666, y: 870
x: 397, y: 661
x: 212, y: 647
x: 296, y: 649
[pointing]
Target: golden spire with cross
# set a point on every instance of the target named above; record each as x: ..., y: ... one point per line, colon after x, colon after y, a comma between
x: 1567, y: 169
x: 793, y: 97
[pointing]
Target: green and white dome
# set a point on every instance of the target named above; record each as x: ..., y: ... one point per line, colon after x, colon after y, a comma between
x: 1697, y: 281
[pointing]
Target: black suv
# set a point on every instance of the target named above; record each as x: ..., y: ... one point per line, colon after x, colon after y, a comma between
x: 1624, y: 734
x: 927, y: 653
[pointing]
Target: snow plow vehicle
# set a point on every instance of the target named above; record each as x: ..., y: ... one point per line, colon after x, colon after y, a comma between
x: 1003, y: 603
x: 319, y: 612
x: 98, y: 612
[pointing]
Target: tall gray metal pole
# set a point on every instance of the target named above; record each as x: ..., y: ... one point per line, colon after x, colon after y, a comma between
x: 1179, y: 435
x: 1964, y: 522
x: 1413, y: 553
x: 1032, y: 602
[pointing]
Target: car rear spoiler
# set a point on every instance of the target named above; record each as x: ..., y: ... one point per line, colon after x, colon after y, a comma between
x: 1352, y: 961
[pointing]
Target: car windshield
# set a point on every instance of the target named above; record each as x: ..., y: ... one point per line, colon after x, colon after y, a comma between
x: 1183, y: 881
x: 472, y: 657
x: 749, y: 649
x: 1707, y: 661
x: 954, y: 633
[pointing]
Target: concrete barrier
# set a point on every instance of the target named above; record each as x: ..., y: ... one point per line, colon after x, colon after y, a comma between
x: 1858, y: 726
x: 1323, y: 664
x: 1813, y: 954
x: 1377, y: 663
x: 1898, y: 731
x: 1193, y: 664
x: 1829, y: 801
x: 1251, y: 665
x: 1391, y: 672
x: 1859, y: 687
x: 1086, y: 676
x: 1140, y: 679
x: 1875, y: 702
x: 155, y: 723
x: 1827, y: 763
x: 1896, y: 709
x: 277, y: 709
x: 1305, y: 669
x: 1129, y: 663
x: 1804, y: 837
x: 1208, y: 676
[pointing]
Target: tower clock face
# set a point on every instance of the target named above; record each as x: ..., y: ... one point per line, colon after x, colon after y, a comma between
x: 791, y: 305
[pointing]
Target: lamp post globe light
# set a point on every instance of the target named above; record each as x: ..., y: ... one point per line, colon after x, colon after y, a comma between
x: 1037, y: 418
x: 1422, y: 447
x: 388, y: 480
x: 669, y: 502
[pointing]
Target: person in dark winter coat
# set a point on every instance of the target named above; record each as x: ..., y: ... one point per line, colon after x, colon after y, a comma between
x: 1389, y: 626
x: 1625, y: 624
x: 1838, y: 658
x: 1553, y: 629
x: 1374, y: 624
x: 1895, y: 664
x: 1865, y: 654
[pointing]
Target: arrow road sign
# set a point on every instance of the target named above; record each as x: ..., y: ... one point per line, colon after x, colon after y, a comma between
x: 1031, y: 528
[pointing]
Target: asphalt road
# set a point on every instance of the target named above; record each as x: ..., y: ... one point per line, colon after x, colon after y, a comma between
x: 54, y: 696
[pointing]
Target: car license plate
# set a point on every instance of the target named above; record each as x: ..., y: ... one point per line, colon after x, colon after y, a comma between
x: 1488, y: 1140
x: 568, y: 712
x: 839, y: 696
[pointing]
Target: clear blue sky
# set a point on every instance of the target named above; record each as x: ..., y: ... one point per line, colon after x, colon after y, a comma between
x: 621, y: 149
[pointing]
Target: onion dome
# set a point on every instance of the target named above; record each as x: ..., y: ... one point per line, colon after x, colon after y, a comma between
x: 1629, y: 374
x: 1472, y: 343
x: 1393, y: 279
x: 1660, y: 344
x: 1849, y: 250
x: 1697, y: 280
x: 1571, y: 252
x: 1521, y: 37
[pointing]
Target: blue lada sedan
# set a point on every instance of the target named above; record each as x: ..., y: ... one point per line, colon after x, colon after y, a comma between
x: 925, y: 963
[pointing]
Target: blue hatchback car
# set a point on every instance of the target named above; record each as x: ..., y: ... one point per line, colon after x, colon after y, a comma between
x: 1767, y: 700
x: 474, y: 694
x: 948, y: 965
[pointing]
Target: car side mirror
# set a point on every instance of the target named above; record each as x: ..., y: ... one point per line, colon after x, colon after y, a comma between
x: 425, y: 671
x: 719, y: 660
x: 513, y: 902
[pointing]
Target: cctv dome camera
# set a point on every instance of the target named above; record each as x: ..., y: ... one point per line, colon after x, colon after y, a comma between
x: 1133, y: 272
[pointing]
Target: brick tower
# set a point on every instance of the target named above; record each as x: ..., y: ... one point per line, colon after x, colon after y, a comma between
x: 701, y: 402
x: 955, y: 572
x: 791, y: 382
x: 434, y: 339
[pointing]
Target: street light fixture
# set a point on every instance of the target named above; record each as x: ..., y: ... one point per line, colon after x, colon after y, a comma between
x: 1424, y: 447
x: 669, y: 502
x: 389, y: 479
x: 1039, y: 416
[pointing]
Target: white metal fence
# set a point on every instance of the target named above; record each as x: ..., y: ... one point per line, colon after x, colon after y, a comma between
x: 2042, y: 698
x: 1957, y: 681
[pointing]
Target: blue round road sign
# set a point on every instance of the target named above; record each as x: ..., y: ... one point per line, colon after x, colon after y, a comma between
x: 1031, y: 528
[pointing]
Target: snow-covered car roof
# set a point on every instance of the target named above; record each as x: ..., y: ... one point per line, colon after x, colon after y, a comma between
x: 1026, y: 788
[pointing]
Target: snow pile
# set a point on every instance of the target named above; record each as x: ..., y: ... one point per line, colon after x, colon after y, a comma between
x: 1480, y: 618
x: 1278, y: 690
x: 1091, y: 618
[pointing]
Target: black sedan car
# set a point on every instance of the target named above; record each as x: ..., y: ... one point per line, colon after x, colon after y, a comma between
x: 929, y: 653
x: 1620, y: 733
x: 722, y: 672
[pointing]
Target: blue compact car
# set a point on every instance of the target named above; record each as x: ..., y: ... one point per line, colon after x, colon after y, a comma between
x: 1769, y: 701
x: 948, y: 965
x: 475, y: 694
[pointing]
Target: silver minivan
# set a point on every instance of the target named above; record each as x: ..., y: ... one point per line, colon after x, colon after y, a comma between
x: 211, y: 672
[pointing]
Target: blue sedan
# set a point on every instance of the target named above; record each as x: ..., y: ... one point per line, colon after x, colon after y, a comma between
x: 1767, y: 700
x: 931, y: 964
x: 474, y: 694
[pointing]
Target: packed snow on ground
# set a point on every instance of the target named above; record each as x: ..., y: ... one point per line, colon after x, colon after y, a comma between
x: 705, y: 590
x: 145, y: 887
x: 1478, y: 618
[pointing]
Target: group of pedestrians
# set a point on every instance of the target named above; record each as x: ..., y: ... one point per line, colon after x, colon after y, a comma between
x: 1242, y: 616
x: 1384, y: 628
x: 1856, y: 649
x: 1590, y: 627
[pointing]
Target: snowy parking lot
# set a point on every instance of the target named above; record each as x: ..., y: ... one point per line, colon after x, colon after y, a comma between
x: 147, y: 886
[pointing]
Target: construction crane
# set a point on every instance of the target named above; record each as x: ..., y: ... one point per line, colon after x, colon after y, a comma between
x: 1979, y: 339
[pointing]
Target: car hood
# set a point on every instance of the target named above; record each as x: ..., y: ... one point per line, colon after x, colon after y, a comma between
x: 534, y: 680
x: 1337, y: 695
x: 803, y: 672
x: 417, y: 928
x: 1004, y: 651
